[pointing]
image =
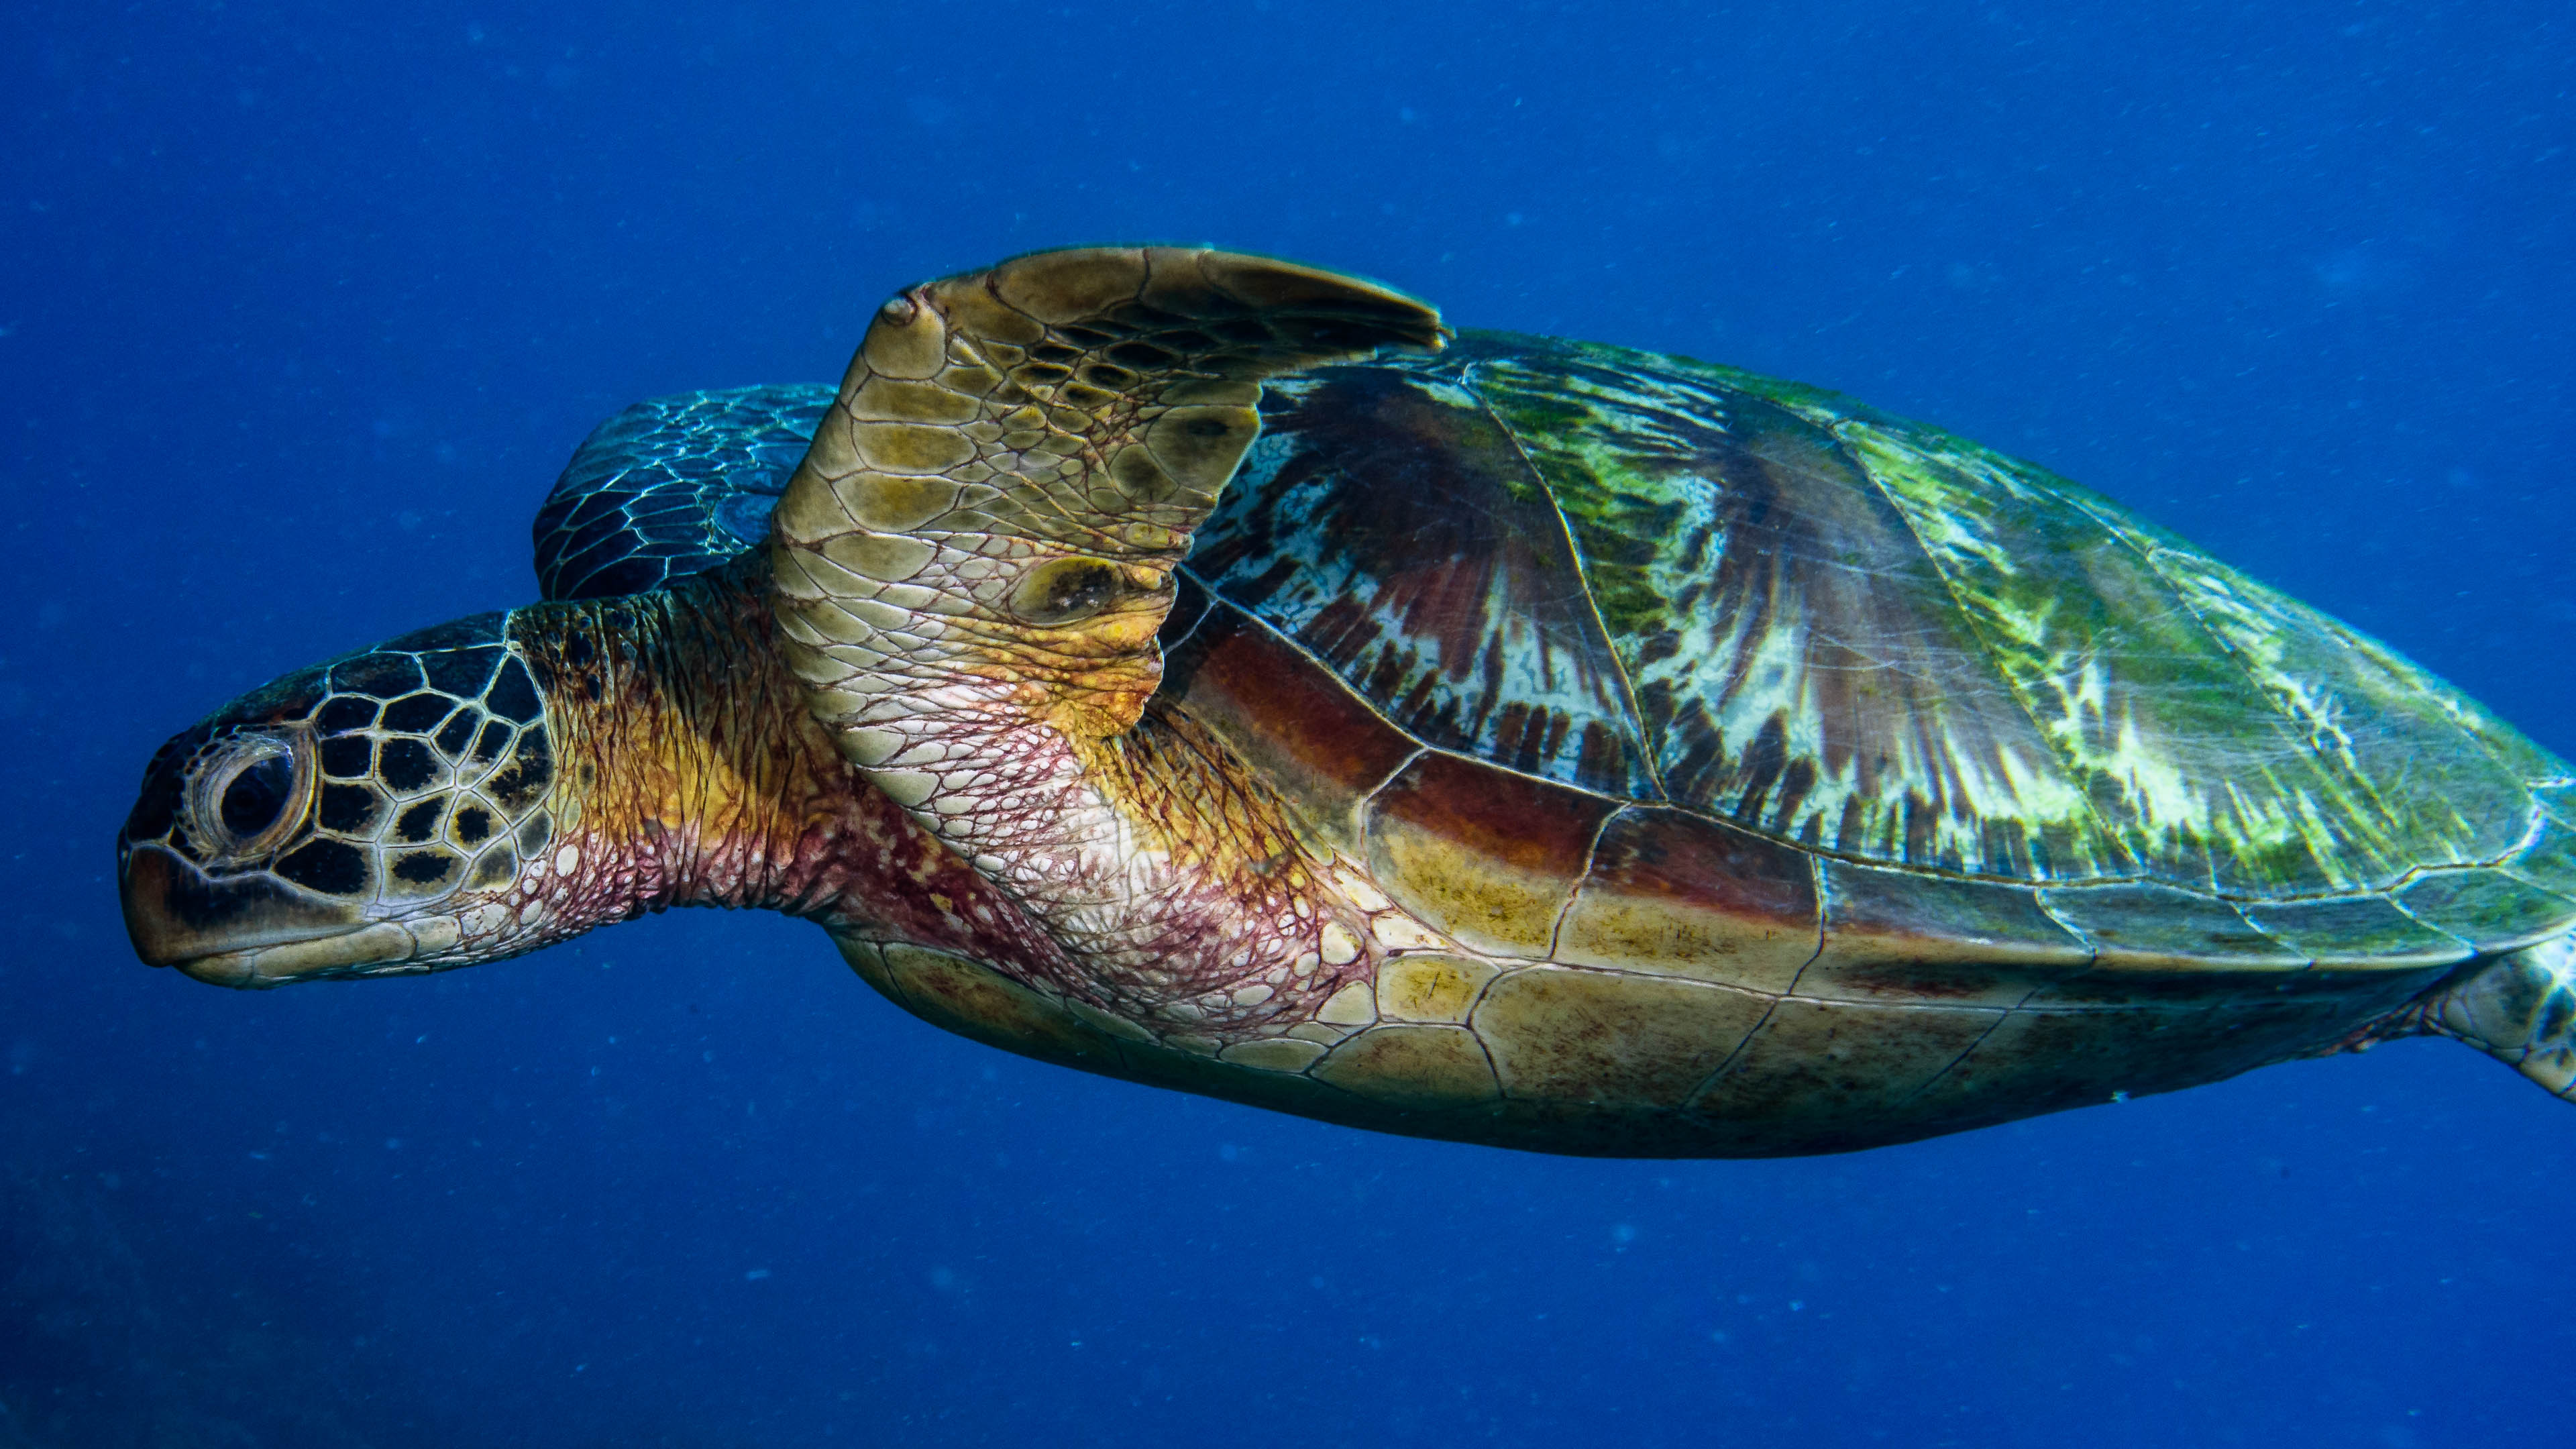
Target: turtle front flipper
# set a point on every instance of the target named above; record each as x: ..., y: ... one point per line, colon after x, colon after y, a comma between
x: 974, y: 558
x: 1016, y: 462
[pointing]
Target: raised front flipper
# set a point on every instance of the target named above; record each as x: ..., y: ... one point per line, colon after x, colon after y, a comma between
x: 672, y: 487
x: 971, y: 565
x: 1016, y: 463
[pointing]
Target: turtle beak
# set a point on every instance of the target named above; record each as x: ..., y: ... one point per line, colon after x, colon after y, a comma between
x: 248, y: 931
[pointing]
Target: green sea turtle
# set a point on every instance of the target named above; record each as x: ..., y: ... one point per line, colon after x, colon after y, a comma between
x: 1208, y: 671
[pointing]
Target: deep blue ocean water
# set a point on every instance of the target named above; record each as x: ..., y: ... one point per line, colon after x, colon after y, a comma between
x: 301, y: 309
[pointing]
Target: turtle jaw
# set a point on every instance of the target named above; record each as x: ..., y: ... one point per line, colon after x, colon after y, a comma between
x: 258, y: 968
x: 250, y: 932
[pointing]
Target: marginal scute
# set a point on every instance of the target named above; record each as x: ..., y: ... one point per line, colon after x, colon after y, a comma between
x: 1431, y: 987
x: 2549, y: 862
x: 1117, y: 1026
x: 1610, y: 1040
x: 1903, y: 935
x: 2558, y: 801
x: 1488, y: 857
x: 1420, y: 1067
x: 2356, y: 931
x: 1273, y: 1054
x: 1848, y: 1061
x: 2046, y: 1056
x: 1672, y: 894
x: 1353, y: 1005
x: 2146, y: 927
x: 2486, y: 906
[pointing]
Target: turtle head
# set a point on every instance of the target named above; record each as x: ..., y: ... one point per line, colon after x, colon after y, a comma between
x: 361, y: 817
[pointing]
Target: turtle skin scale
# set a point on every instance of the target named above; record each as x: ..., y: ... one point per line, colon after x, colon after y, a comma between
x: 1699, y: 765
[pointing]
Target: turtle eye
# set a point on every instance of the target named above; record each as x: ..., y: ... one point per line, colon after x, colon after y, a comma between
x: 249, y: 794
x: 257, y: 796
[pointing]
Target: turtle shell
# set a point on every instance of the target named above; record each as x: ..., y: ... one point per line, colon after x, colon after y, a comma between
x: 1784, y: 777
x: 1602, y: 657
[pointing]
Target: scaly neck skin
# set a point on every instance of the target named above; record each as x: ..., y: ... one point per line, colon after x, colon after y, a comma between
x: 689, y: 772
x: 682, y: 775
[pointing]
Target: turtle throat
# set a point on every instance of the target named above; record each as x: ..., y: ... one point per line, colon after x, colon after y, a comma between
x: 689, y: 771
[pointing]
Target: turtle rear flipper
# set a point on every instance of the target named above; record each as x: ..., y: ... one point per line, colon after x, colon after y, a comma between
x: 2521, y: 1010
x: 672, y: 487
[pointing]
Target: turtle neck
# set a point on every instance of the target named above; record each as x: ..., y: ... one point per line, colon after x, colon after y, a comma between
x: 690, y: 773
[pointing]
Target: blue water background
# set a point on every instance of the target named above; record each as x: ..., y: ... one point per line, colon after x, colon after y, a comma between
x: 304, y: 307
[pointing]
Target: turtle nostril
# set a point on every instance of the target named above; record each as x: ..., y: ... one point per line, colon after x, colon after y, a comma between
x: 254, y: 798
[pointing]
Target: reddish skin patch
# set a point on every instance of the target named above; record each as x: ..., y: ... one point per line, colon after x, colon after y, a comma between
x: 1243, y: 868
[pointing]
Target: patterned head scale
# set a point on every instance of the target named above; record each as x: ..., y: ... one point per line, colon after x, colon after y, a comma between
x: 337, y: 821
